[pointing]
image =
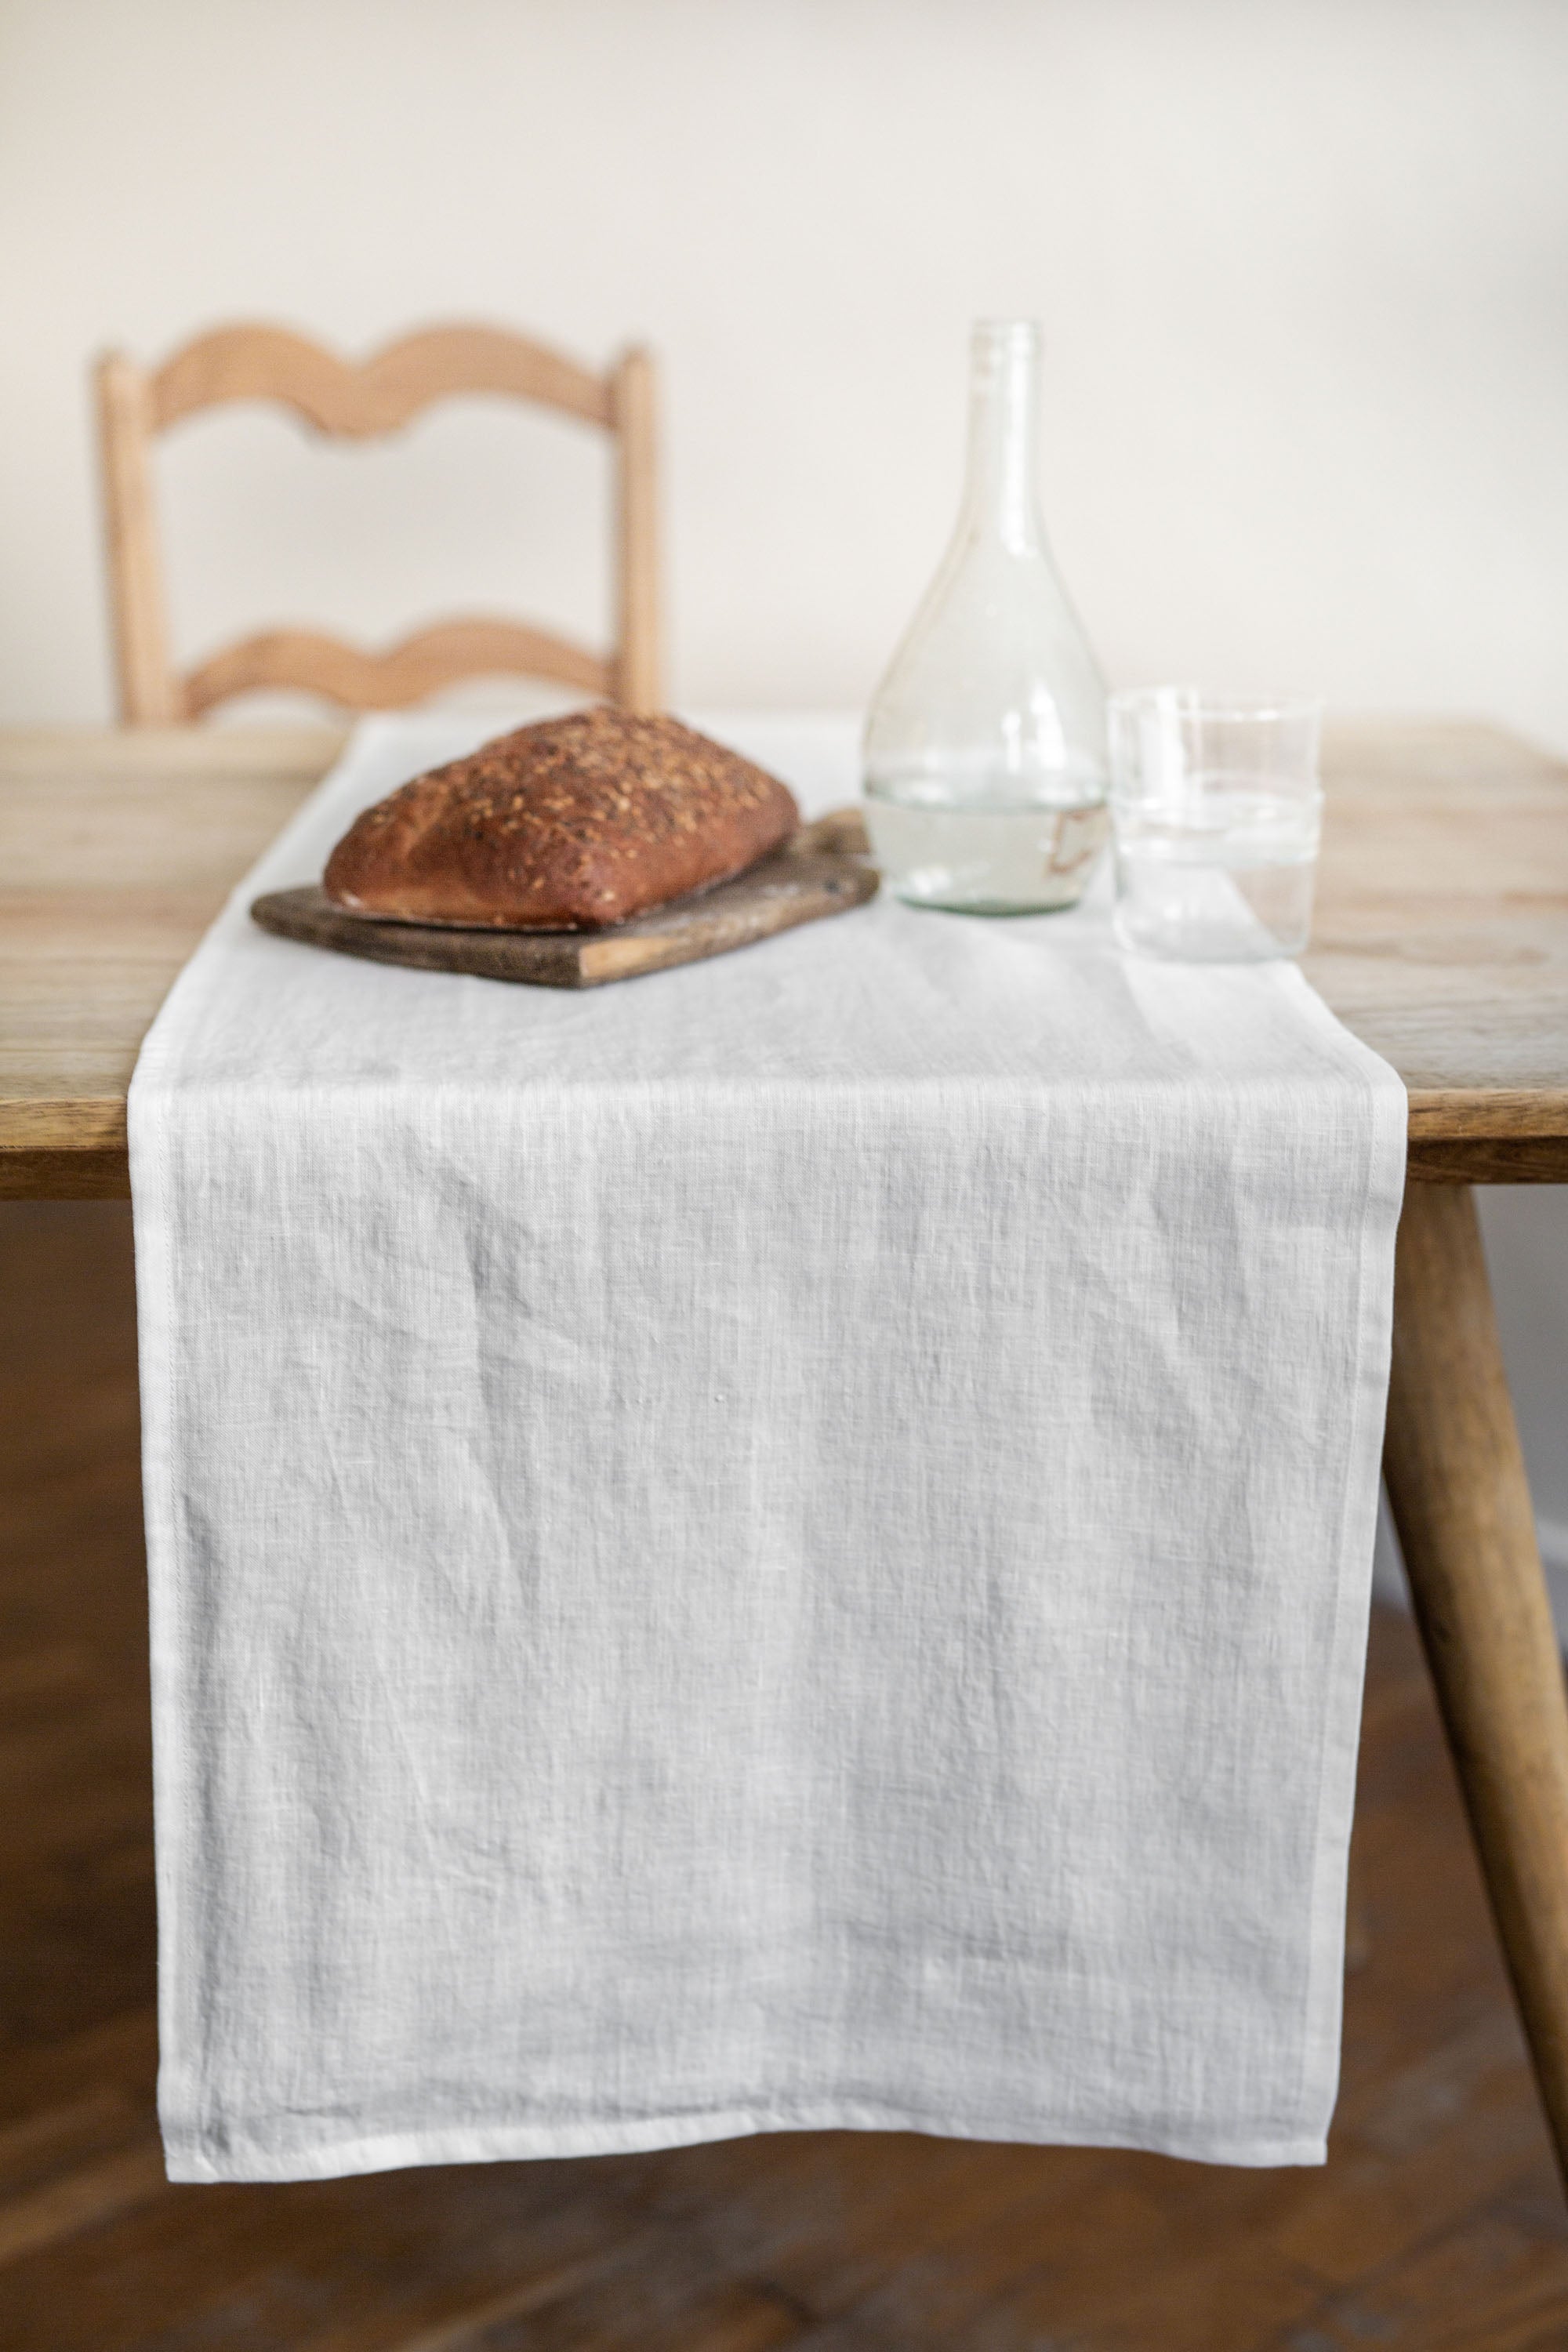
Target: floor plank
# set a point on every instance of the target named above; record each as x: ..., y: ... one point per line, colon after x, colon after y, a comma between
x: 1437, y: 2224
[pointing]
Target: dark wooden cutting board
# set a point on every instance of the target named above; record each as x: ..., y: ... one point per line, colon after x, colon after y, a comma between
x: 822, y: 871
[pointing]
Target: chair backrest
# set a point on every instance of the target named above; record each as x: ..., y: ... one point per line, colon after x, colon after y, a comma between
x: 340, y: 398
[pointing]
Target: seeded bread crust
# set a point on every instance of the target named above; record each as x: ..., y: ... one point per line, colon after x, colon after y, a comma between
x: 572, y: 824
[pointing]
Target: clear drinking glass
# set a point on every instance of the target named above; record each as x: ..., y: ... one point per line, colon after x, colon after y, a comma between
x: 1217, y: 809
x: 985, y: 741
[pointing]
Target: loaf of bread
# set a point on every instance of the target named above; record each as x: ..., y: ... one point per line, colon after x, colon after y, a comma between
x: 570, y: 825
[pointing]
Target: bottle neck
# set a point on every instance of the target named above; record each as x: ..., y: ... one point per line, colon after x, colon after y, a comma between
x: 1000, y: 500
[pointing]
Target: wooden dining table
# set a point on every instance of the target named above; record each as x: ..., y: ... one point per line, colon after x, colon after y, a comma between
x: 1441, y: 938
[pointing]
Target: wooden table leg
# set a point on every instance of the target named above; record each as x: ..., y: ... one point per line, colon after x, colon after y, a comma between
x: 1456, y: 1483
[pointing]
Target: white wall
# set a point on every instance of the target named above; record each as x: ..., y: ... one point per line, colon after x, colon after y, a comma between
x: 1301, y: 265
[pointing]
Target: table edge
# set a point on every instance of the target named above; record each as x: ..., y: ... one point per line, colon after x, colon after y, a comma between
x: 89, y: 1162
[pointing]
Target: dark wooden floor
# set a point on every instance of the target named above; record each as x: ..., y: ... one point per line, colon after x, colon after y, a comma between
x: 1438, y: 2223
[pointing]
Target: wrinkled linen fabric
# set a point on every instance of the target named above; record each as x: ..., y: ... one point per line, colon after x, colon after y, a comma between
x: 783, y: 1545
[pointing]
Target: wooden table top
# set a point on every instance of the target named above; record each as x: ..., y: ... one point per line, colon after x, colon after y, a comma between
x: 1441, y: 934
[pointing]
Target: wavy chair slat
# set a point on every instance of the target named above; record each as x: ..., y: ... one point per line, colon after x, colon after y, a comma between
x: 357, y: 399
x: 307, y: 662
x: 360, y: 398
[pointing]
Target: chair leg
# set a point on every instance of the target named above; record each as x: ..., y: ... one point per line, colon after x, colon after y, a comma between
x: 1456, y: 1483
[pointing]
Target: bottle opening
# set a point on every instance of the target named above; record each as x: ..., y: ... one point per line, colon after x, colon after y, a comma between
x: 1005, y: 335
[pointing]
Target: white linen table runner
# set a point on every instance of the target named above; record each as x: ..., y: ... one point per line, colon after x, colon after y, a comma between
x: 783, y: 1545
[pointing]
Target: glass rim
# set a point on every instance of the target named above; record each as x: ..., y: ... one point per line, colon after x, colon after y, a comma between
x: 1192, y: 702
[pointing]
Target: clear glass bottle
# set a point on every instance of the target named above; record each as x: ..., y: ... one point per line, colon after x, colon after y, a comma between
x: 985, y: 749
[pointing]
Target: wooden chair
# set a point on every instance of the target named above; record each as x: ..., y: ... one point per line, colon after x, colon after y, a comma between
x: 344, y: 399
